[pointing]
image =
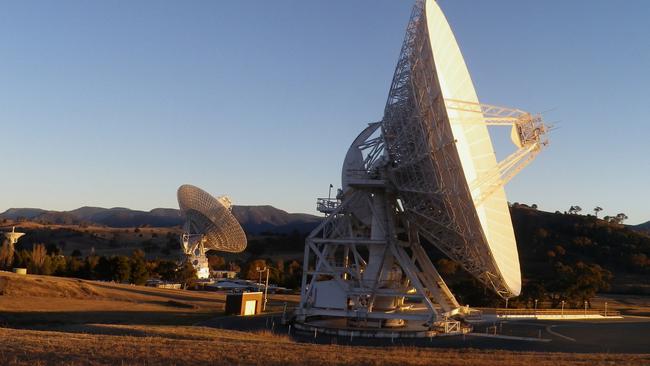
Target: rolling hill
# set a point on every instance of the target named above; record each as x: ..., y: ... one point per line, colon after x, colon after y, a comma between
x: 254, y: 219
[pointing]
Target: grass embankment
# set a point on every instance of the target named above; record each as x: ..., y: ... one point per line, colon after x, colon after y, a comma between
x: 37, y: 300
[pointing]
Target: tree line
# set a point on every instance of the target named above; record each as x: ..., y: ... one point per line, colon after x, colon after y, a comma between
x: 136, y: 269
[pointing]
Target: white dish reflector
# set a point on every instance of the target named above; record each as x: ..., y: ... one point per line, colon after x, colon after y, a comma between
x: 474, y: 147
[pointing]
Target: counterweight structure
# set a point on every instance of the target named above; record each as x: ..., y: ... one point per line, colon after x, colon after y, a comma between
x: 427, y: 171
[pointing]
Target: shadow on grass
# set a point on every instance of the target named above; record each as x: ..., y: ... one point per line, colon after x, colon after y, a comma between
x: 30, y: 319
x: 137, y: 290
x: 107, y: 329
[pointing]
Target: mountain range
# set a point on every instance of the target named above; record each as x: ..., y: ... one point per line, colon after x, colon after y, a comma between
x: 254, y: 219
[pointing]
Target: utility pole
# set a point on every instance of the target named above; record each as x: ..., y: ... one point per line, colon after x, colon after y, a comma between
x: 260, y: 270
x: 266, y: 289
x: 563, y: 308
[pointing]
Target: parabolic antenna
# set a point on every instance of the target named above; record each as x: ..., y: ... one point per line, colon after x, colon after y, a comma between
x: 10, y: 238
x: 427, y: 170
x: 13, y: 236
x: 209, y: 225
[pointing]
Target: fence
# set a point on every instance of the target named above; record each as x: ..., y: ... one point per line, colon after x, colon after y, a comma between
x: 555, y: 312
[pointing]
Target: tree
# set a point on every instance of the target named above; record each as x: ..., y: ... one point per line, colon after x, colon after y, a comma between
x: 577, y: 283
x: 618, y: 219
x: 75, y: 266
x: 590, y: 278
x: 139, y: 272
x: 597, y: 209
x: 90, y: 266
x: 186, y: 274
x: 251, y: 269
x: 103, y: 269
x: 574, y: 210
x: 53, y: 249
x: 120, y: 268
x: 166, y: 270
x: 582, y: 241
x: 6, y: 255
x: 22, y: 258
x: 216, y: 262
x: 639, y: 262
x: 39, y: 253
x: 279, y: 264
x: 295, y: 268
x: 59, y: 266
x: 293, y: 277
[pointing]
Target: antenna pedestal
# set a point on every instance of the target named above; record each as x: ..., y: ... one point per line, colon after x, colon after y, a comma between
x: 374, y: 279
x: 194, y: 249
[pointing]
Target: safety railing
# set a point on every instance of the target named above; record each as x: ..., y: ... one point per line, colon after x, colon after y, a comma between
x: 555, y: 312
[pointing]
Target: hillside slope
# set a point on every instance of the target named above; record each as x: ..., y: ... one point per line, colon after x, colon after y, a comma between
x: 645, y: 227
x: 547, y: 241
x: 254, y: 219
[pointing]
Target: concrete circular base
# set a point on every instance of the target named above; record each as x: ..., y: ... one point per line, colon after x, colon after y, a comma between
x: 338, y: 327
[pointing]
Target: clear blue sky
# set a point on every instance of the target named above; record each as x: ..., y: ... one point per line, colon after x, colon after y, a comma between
x: 116, y: 103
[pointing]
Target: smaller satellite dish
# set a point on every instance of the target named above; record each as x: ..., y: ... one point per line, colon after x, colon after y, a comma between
x: 13, y: 236
x: 209, y: 225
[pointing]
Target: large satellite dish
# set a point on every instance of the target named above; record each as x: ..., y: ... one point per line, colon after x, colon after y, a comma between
x: 426, y: 170
x: 209, y: 225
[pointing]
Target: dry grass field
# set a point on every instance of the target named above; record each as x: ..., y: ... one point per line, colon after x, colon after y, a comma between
x: 61, y: 321
x: 182, y: 345
x: 32, y: 299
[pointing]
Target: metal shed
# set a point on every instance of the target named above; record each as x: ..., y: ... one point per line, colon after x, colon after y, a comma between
x: 246, y: 303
